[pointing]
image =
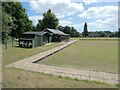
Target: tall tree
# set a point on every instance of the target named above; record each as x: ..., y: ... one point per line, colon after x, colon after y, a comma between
x: 14, y: 21
x: 49, y: 21
x: 85, y: 30
x: 20, y: 19
x: 7, y: 26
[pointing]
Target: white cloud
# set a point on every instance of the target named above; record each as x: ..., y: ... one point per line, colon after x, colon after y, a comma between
x: 101, y: 27
x: 70, y: 18
x: 108, y: 0
x: 99, y: 17
x: 78, y: 27
x: 94, y: 1
x: 110, y: 24
x: 99, y: 12
x: 59, y: 7
x: 60, y: 16
x: 35, y: 18
x: 65, y: 22
x: 102, y: 17
x: 88, y: 1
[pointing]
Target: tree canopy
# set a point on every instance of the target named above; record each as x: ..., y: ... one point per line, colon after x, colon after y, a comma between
x: 85, y: 30
x: 49, y: 21
x: 15, y: 20
x: 69, y: 30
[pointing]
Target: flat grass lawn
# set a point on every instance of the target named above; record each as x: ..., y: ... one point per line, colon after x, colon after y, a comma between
x: 87, y: 54
x: 16, y: 53
x: 18, y: 78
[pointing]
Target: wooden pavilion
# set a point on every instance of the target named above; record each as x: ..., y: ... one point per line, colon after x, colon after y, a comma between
x: 36, y: 39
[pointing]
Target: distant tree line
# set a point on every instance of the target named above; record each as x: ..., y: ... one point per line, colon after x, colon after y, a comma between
x: 103, y: 34
x: 69, y: 30
x: 86, y: 33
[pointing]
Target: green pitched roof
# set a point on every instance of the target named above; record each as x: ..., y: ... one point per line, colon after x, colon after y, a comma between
x: 55, y: 31
x: 35, y: 33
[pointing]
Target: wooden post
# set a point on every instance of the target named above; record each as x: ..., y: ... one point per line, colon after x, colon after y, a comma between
x: 48, y: 39
x: 33, y: 43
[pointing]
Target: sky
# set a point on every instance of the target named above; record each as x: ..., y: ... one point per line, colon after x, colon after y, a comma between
x: 99, y: 15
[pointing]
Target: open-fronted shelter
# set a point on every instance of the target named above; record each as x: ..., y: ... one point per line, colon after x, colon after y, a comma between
x: 35, y: 39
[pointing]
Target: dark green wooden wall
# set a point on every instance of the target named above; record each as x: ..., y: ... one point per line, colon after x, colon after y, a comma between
x: 38, y: 41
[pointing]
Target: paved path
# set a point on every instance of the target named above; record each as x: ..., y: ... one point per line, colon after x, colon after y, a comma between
x: 28, y: 64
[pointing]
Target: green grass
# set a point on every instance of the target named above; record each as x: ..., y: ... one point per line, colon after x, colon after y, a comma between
x: 97, y: 38
x: 13, y: 54
x: 87, y: 54
x: 18, y: 78
x: 87, y: 81
x: 94, y: 38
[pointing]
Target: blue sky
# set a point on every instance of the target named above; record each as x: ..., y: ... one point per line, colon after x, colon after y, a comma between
x: 98, y: 14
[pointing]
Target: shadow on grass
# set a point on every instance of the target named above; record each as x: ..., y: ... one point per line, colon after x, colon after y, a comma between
x: 17, y: 46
